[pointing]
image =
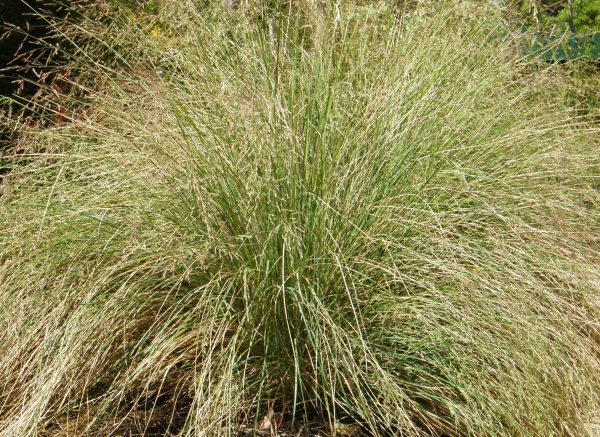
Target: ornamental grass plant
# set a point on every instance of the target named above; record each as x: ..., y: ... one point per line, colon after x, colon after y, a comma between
x: 309, y: 219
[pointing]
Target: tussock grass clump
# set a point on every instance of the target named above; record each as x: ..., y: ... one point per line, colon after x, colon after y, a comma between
x: 338, y: 218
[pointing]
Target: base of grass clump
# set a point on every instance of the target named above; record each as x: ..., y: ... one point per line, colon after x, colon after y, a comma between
x: 333, y: 221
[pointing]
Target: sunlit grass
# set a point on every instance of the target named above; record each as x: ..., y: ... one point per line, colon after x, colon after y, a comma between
x: 333, y: 214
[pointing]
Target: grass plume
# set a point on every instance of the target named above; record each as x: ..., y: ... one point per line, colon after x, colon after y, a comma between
x: 328, y: 212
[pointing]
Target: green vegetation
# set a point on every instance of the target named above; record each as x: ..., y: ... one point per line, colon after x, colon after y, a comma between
x: 586, y: 16
x: 548, y: 14
x: 327, y: 217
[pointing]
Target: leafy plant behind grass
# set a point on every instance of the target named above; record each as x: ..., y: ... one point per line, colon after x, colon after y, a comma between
x: 550, y: 15
x: 363, y: 221
x: 586, y: 16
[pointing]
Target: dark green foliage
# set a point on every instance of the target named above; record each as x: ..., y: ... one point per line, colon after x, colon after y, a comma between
x: 548, y: 15
x: 586, y: 17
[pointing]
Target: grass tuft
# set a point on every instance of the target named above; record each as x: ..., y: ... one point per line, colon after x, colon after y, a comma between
x: 324, y: 216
